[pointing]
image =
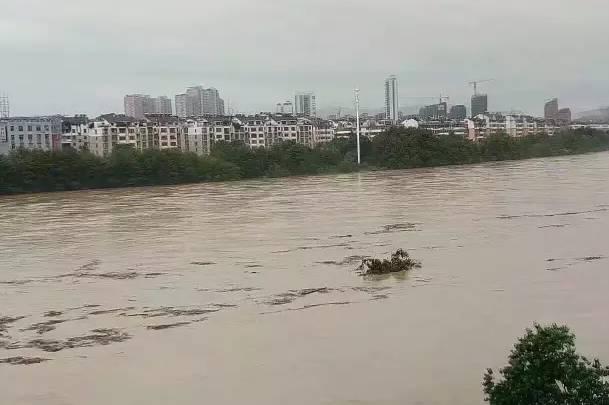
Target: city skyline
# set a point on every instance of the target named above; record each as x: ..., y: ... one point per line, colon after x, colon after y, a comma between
x: 255, y: 68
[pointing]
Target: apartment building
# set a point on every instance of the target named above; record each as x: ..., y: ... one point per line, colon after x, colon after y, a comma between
x: 75, y: 133
x: 32, y: 133
x: 514, y: 125
x: 196, y: 137
x: 110, y: 131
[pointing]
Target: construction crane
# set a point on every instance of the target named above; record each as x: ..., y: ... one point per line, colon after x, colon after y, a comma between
x: 475, y: 83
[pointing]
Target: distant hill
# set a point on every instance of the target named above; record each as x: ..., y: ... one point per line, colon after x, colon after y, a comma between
x: 600, y: 114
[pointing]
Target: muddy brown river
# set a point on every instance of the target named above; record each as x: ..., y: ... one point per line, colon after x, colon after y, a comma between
x: 245, y: 292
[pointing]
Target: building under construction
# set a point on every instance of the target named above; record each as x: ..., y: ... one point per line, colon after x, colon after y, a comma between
x: 479, y: 104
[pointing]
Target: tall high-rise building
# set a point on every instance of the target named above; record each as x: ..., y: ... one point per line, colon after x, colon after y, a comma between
x: 162, y: 105
x: 199, y: 101
x: 305, y: 104
x: 181, y: 103
x: 4, y: 106
x: 391, y: 99
x: 564, y: 116
x: 550, y: 110
x: 479, y: 104
x: 195, y: 101
x: 458, y: 112
x: 138, y: 105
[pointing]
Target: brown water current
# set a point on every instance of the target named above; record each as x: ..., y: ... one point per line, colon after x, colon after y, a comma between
x: 245, y: 292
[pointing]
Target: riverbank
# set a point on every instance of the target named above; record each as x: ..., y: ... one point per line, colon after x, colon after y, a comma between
x: 35, y: 171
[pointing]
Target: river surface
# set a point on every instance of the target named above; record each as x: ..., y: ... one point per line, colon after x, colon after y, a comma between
x: 245, y: 292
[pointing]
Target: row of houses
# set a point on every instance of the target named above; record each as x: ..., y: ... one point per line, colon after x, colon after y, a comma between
x: 102, y: 135
x: 157, y: 131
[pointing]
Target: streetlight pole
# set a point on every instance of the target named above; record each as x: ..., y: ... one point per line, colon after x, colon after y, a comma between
x: 359, y: 158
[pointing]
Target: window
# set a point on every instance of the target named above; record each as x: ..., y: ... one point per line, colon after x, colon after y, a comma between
x: 163, y: 143
x: 174, y: 144
x: 163, y: 130
x: 12, y: 127
x: 46, y: 127
x: 29, y: 137
x: 38, y: 128
x: 172, y: 130
x: 29, y: 128
x: 20, y: 128
x: 39, y: 138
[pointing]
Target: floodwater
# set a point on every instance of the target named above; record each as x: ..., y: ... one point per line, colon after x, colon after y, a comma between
x: 245, y: 292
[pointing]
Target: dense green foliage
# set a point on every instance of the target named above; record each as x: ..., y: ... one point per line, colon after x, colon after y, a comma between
x: 35, y: 171
x: 544, y: 369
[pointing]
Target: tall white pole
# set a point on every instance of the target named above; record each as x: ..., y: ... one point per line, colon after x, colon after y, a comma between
x: 359, y: 157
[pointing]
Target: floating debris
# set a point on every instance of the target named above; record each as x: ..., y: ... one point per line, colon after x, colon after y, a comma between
x: 559, y: 214
x: 292, y: 295
x: 7, y: 321
x: 312, y: 247
x: 591, y: 258
x: 167, y: 326
x: 349, y: 260
x: 202, y: 263
x: 111, y: 311
x: 308, y: 307
x: 44, y: 327
x: 392, y: 228
x: 171, y: 311
x: 400, y: 262
x: 22, y: 361
x: 17, y: 282
x: 552, y: 226
x: 53, y: 314
x: 99, y: 337
x: 371, y: 290
x: 239, y: 289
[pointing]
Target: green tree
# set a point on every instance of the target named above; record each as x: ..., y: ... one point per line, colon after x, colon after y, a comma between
x: 544, y: 369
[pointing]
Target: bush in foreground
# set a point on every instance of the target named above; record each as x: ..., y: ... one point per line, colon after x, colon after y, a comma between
x: 544, y: 369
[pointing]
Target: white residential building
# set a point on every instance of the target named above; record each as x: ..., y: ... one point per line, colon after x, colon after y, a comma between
x: 32, y: 133
x: 196, y: 137
x: 514, y: 125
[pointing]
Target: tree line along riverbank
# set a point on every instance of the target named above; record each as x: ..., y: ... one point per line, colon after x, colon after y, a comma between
x: 36, y: 171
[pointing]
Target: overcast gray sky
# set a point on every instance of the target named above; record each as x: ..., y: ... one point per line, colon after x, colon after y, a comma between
x: 83, y: 56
